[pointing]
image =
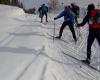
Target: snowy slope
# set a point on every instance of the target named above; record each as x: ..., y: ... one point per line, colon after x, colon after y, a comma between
x: 27, y: 52
x: 18, y: 44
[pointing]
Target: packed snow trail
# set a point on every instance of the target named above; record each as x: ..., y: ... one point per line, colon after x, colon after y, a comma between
x: 20, y: 45
x: 28, y: 53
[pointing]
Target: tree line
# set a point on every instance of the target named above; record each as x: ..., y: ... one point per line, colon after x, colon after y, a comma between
x: 11, y: 2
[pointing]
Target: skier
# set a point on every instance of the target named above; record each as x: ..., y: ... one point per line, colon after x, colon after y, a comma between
x: 69, y: 19
x: 43, y: 11
x: 76, y: 9
x: 94, y: 28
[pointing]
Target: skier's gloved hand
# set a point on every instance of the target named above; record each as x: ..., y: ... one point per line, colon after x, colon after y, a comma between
x: 78, y: 25
x: 55, y: 18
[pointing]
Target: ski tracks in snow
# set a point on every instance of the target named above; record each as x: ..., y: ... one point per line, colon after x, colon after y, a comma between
x: 71, y: 48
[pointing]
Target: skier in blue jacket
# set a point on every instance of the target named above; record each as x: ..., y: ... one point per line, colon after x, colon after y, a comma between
x: 43, y: 11
x: 69, y: 19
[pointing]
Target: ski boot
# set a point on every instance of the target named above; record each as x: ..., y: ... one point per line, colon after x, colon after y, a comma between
x: 87, y: 61
x: 58, y: 37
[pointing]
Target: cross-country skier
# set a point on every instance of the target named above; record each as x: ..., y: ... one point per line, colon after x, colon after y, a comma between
x: 94, y: 28
x: 43, y: 11
x: 69, y: 19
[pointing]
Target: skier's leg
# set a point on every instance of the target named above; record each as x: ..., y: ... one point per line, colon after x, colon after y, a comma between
x: 98, y: 36
x: 76, y: 20
x: 71, y: 27
x: 42, y: 17
x: 90, y: 41
x: 46, y: 17
x: 62, y: 28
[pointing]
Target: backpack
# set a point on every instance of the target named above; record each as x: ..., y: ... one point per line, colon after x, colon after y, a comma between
x: 76, y: 10
x: 95, y: 18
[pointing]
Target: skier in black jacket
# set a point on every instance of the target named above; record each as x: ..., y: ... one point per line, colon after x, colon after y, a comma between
x: 93, y: 32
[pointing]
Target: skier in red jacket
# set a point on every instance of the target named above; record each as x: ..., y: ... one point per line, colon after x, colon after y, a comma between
x: 94, y: 29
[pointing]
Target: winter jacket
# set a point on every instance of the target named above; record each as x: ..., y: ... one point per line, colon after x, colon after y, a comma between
x: 68, y: 15
x: 87, y: 19
x: 43, y: 9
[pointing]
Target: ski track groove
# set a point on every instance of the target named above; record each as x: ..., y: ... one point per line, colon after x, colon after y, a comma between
x: 80, y: 47
x: 43, y: 71
x: 28, y: 65
x: 72, y: 50
x: 9, y: 37
x: 82, y: 70
x: 55, y: 78
x: 81, y: 75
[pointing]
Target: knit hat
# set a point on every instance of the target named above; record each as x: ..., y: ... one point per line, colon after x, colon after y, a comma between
x: 90, y: 7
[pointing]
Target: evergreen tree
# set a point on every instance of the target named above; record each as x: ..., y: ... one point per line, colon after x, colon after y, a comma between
x: 14, y: 2
x: 5, y: 2
x: 53, y: 4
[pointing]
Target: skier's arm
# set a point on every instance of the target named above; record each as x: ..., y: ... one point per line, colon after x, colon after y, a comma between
x: 59, y: 16
x: 85, y: 20
x: 47, y: 9
x: 76, y: 21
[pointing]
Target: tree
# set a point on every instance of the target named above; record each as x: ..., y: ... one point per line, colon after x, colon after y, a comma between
x: 5, y: 2
x: 20, y: 5
x: 53, y: 4
x: 14, y: 2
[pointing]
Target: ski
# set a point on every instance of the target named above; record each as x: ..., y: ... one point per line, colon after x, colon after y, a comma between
x: 57, y: 38
x: 81, y: 63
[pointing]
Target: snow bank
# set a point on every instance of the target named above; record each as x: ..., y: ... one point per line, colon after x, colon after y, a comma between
x: 18, y: 12
x: 10, y: 17
x: 9, y: 11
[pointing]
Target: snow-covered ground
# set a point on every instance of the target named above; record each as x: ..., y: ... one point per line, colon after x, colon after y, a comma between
x: 27, y: 52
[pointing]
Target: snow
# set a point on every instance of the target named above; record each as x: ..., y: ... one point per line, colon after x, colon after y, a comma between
x: 27, y: 52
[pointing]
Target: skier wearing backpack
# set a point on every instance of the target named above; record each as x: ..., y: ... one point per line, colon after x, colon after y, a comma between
x: 43, y: 11
x: 76, y: 9
x: 93, y: 19
x: 69, y: 19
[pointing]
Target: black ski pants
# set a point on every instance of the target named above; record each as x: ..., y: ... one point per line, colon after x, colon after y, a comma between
x: 93, y: 33
x: 43, y: 15
x: 71, y: 27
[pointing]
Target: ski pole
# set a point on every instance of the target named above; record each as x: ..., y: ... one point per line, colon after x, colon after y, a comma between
x: 50, y: 18
x: 54, y: 31
x: 77, y: 31
x: 98, y: 60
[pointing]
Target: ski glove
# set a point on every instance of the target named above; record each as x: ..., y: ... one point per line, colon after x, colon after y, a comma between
x: 55, y: 18
x: 78, y: 25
